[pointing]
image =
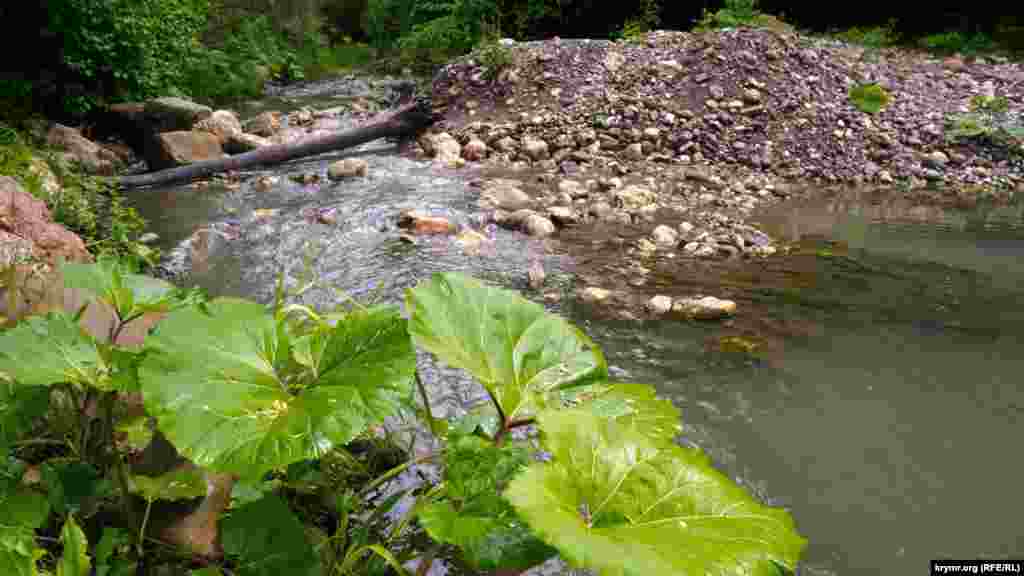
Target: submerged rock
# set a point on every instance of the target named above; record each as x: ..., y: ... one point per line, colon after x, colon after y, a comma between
x: 594, y: 294
x: 660, y: 305
x: 705, y: 308
x: 347, y: 168
x: 419, y: 223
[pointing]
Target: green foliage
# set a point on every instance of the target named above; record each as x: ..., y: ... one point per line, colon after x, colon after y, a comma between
x: 869, y: 98
x: 493, y: 58
x: 872, y: 37
x: 615, y: 502
x: 957, y: 42
x: 138, y: 45
x: 514, y: 348
x: 228, y: 392
x: 75, y: 559
x: 272, y: 396
x: 474, y: 516
x: 989, y: 122
x: 733, y: 14
x: 269, y: 539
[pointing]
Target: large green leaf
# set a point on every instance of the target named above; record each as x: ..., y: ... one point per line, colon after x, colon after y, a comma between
x: 219, y: 389
x: 127, y: 294
x: 45, y: 350
x: 511, y: 345
x: 183, y: 483
x: 75, y: 559
x: 19, y: 407
x: 613, y: 501
x: 632, y: 405
x: 474, y: 516
x: 268, y: 540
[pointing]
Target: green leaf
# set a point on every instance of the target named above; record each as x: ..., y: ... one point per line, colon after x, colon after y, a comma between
x: 75, y: 560
x: 269, y: 540
x: 208, y: 571
x: 869, y: 98
x: 184, y: 483
x: 19, y: 407
x: 107, y: 547
x: 22, y: 511
x: 474, y: 516
x: 45, y: 350
x: 128, y: 294
x: 511, y: 345
x: 70, y: 484
x: 615, y: 502
x: 630, y: 405
x: 218, y: 385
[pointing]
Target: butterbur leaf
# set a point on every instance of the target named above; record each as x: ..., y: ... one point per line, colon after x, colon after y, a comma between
x: 128, y: 294
x: 613, y: 501
x: 474, y: 516
x: 45, y: 350
x: 631, y: 405
x: 215, y: 383
x: 514, y: 348
x: 19, y: 407
x: 75, y: 559
x: 70, y: 484
x: 268, y: 540
x: 184, y: 483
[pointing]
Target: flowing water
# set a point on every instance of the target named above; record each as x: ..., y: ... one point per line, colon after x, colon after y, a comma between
x: 872, y: 382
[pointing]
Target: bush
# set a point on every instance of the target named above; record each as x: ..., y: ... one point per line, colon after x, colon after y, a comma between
x: 874, y: 37
x: 957, y: 42
x: 133, y: 47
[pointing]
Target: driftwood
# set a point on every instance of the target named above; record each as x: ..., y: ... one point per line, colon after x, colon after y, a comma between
x: 403, y: 122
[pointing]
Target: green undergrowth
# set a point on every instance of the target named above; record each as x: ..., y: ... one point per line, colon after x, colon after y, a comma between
x: 87, y: 205
x: 307, y: 415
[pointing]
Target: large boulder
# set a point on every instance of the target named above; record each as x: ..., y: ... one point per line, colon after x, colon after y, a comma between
x: 505, y: 194
x: 92, y: 157
x: 222, y: 123
x: 184, y: 147
x: 172, y: 114
x: 27, y: 229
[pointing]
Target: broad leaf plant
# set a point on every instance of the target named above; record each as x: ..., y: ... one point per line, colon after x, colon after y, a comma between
x: 559, y: 461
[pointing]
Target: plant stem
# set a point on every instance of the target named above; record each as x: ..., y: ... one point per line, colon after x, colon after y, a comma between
x: 521, y: 423
x: 394, y: 472
x: 142, y: 528
x: 501, y: 416
x: 426, y: 402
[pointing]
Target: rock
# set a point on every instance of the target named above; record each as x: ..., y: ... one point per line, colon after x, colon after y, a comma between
x: 471, y: 240
x: 685, y: 228
x: 505, y: 195
x: 447, y: 150
x: 665, y: 236
x: 572, y: 188
x: 474, y: 150
x: 347, y: 168
x: 302, y: 117
x: 264, y: 124
x: 264, y: 183
x: 92, y: 157
x: 634, y: 151
x: 186, y: 147
x: 536, y: 275
x: 885, y: 177
x: 562, y: 215
x: 594, y: 294
x: 936, y: 159
x: 634, y: 197
x: 419, y: 223
x: 149, y: 238
x: 27, y: 229
x: 534, y: 148
x: 241, y: 143
x: 538, y: 226
x: 222, y: 123
x: 613, y: 61
x: 507, y: 144
x: 660, y: 305
x: 172, y: 114
x: 706, y: 308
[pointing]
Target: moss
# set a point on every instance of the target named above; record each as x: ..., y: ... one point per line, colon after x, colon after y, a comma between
x: 869, y: 98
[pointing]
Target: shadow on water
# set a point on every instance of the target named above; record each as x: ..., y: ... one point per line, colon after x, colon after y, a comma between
x: 870, y: 382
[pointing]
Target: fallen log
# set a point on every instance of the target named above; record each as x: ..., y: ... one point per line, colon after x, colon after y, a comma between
x: 403, y: 122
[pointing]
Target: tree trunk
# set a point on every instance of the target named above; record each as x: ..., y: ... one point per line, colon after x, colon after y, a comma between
x: 404, y: 121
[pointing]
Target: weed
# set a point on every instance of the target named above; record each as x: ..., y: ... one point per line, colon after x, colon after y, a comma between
x: 869, y: 98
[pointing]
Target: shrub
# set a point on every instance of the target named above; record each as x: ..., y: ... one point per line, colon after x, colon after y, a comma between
x: 874, y: 37
x: 134, y: 46
x: 957, y: 42
x: 869, y: 98
x: 988, y: 121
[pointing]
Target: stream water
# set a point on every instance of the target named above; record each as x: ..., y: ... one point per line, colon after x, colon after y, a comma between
x: 877, y: 392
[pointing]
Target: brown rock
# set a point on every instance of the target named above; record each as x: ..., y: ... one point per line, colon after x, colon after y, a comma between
x: 222, y: 123
x: 93, y: 158
x: 28, y: 229
x: 242, y: 143
x: 418, y: 223
x: 186, y: 147
x: 265, y: 124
